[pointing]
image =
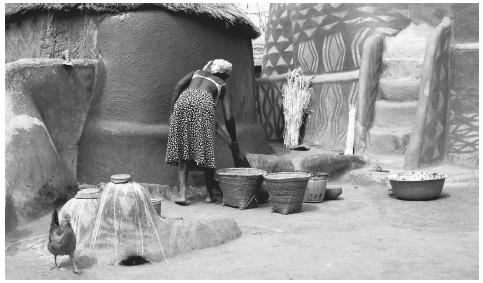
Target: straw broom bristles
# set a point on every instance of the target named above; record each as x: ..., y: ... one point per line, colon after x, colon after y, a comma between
x: 295, y: 99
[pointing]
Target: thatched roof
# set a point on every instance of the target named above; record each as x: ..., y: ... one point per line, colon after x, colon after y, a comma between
x: 227, y: 16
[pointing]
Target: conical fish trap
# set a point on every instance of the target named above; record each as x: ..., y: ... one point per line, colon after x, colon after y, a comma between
x: 127, y: 225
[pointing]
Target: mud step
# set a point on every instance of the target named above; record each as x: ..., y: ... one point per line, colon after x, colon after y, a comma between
x: 389, y: 141
x: 409, y: 43
x: 402, y: 68
x: 399, y: 89
x: 395, y: 114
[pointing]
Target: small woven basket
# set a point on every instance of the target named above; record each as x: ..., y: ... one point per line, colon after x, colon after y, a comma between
x: 287, y: 190
x: 240, y: 186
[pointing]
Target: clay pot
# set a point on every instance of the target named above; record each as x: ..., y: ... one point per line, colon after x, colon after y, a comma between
x: 316, y: 187
x: 332, y: 193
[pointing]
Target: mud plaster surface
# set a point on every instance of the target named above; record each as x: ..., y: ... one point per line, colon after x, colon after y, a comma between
x: 145, y: 53
x: 48, y: 36
x: 46, y: 106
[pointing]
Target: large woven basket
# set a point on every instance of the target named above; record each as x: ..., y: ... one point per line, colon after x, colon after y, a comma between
x: 287, y: 190
x: 240, y: 186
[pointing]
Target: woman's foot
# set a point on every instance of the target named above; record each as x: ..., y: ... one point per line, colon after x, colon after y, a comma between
x: 210, y: 199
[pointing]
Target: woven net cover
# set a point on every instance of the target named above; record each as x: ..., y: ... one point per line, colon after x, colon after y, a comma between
x: 127, y: 225
x: 83, y: 213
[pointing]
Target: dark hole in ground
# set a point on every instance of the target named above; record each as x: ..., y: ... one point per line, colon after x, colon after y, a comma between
x: 134, y: 260
x: 301, y: 148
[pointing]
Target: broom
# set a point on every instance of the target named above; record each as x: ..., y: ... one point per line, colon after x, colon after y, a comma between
x: 240, y: 160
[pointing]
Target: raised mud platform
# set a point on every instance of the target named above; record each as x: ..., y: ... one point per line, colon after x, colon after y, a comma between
x: 313, y: 158
x: 184, y: 235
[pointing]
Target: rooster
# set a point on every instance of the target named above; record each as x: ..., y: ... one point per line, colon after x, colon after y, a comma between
x: 62, y: 239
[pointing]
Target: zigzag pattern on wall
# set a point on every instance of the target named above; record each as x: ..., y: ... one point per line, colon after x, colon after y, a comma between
x: 307, y: 55
x: 320, y: 38
x: 463, y: 136
x: 464, y: 123
x: 327, y: 122
x: 269, y: 109
x: 333, y: 53
x: 337, y: 31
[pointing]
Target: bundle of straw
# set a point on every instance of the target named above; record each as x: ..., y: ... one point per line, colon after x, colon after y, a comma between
x: 295, y: 99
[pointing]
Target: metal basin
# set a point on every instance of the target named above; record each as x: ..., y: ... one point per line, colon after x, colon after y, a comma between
x: 417, y: 185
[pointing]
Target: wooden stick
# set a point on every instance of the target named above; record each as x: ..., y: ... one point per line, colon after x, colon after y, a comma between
x: 349, y: 146
x: 226, y: 138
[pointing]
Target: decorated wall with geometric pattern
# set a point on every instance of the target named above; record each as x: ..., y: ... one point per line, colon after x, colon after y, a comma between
x: 323, y: 37
x: 463, y: 120
x: 320, y: 38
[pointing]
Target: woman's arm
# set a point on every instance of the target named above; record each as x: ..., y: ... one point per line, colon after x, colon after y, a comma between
x: 229, y: 119
x: 239, y: 159
x: 180, y: 87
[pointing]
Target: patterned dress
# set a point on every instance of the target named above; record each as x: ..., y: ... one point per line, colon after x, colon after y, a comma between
x: 192, y: 129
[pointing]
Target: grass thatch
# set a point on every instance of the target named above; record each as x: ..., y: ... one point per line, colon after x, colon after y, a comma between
x: 227, y: 16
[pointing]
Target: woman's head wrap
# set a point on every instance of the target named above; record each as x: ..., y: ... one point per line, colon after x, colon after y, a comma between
x: 218, y: 66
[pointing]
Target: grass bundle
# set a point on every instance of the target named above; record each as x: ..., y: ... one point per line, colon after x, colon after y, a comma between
x: 295, y: 100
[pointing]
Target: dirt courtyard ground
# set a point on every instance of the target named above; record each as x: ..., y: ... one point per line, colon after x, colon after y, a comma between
x: 365, y: 234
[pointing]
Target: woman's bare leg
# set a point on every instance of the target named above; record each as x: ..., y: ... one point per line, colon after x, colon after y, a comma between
x: 209, y: 180
x: 182, y: 181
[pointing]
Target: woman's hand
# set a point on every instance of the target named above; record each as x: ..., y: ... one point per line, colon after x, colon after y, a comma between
x: 238, y: 159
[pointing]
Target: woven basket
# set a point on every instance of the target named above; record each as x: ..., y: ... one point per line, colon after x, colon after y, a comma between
x: 287, y: 190
x: 240, y: 186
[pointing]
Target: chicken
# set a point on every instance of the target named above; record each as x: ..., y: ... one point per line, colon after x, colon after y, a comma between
x: 62, y: 239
